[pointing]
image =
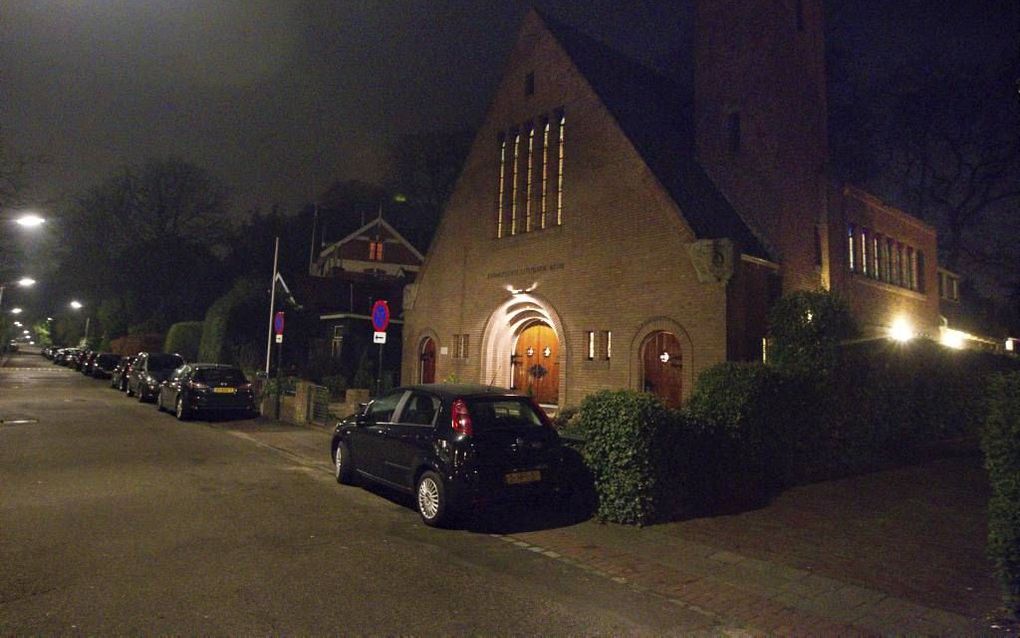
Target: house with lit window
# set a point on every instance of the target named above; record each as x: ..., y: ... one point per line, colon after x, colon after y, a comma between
x: 613, y: 228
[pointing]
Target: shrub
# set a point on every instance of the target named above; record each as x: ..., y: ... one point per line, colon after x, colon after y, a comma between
x: 336, y: 384
x: 184, y: 338
x: 215, y: 344
x: 805, y: 330
x: 625, y: 453
x: 1001, y: 443
x: 750, y: 424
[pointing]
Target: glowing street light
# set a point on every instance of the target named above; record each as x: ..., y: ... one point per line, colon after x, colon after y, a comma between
x: 901, y: 331
x: 77, y: 305
x: 15, y: 311
x: 30, y: 220
x: 25, y: 282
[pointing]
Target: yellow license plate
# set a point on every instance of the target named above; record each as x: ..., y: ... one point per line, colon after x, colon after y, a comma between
x: 224, y: 390
x: 516, y: 478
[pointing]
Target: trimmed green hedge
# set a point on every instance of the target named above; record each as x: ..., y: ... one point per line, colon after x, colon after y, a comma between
x: 184, y: 338
x: 805, y: 332
x: 624, y: 450
x: 215, y: 344
x: 1001, y: 443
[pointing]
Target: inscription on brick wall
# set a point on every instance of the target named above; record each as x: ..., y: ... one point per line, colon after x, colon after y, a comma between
x: 525, y: 270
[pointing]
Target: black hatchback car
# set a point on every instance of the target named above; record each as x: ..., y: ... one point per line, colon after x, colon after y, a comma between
x: 206, y: 387
x: 453, y: 447
x: 148, y: 371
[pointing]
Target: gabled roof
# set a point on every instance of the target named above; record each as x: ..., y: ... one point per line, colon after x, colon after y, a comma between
x: 656, y: 114
x: 380, y: 222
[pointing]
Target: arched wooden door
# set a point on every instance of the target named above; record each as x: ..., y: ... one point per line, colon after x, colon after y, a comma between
x: 663, y: 367
x: 427, y: 361
x: 536, y: 363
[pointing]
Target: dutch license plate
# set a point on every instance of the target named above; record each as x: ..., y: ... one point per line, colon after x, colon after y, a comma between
x: 224, y: 390
x: 516, y: 478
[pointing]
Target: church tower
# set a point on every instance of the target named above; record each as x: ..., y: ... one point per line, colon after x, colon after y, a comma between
x: 760, y: 122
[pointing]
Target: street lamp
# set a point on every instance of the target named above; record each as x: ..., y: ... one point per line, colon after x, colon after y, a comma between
x: 15, y: 311
x: 76, y: 304
x: 24, y: 282
x: 31, y: 220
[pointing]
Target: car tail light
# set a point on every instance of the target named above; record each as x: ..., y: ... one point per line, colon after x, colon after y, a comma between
x: 244, y: 386
x: 461, y: 421
x: 195, y: 385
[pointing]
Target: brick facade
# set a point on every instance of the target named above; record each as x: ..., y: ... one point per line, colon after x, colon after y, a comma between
x: 641, y: 251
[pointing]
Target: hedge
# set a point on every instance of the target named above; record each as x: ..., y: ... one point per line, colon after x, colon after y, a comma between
x: 215, y: 347
x: 1001, y: 443
x: 624, y: 450
x: 184, y: 338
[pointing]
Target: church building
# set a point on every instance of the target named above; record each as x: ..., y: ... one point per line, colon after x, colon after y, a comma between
x: 613, y: 228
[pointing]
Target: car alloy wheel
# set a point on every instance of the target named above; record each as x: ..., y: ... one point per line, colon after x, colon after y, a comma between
x: 180, y: 410
x: 343, y: 469
x: 431, y: 499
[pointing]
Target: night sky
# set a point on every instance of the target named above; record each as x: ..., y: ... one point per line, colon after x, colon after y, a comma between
x: 282, y: 97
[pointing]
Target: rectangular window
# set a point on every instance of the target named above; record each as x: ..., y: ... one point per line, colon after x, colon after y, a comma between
x: 375, y: 251
x: 501, y: 192
x: 514, y: 184
x: 911, y: 265
x: 864, y: 251
x: 460, y: 346
x: 559, y: 171
x: 545, y: 173
x: 920, y: 272
x: 954, y: 289
x: 850, y: 241
x: 876, y: 261
x: 591, y: 345
x: 607, y: 344
x: 528, y: 180
x: 890, y: 258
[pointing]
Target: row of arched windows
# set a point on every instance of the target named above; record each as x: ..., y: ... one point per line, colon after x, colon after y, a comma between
x: 530, y: 189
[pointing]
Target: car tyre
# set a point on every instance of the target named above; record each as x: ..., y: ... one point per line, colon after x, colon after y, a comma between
x: 181, y: 410
x: 159, y: 402
x: 343, y: 466
x: 431, y: 500
x: 128, y: 391
x: 141, y: 395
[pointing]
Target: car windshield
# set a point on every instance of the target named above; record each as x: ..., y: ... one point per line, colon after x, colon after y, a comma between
x: 501, y: 413
x: 220, y: 375
x: 165, y: 361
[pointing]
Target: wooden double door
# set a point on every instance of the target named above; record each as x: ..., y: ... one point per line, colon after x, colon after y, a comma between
x: 536, y: 363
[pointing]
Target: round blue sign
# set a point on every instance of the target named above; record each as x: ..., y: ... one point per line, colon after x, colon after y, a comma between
x: 278, y: 323
x: 380, y: 316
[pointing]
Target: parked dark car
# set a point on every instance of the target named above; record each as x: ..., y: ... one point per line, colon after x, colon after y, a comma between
x: 86, y: 362
x: 119, y: 376
x: 206, y: 387
x: 453, y: 447
x: 76, y: 359
x: 148, y: 371
x: 103, y: 365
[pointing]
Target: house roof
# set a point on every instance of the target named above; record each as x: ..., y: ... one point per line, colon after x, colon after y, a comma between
x: 380, y: 222
x: 656, y: 114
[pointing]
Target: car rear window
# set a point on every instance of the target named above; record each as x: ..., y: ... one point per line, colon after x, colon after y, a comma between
x: 502, y: 413
x: 165, y: 361
x: 220, y: 375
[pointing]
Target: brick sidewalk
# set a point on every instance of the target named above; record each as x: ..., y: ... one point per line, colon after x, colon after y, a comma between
x: 898, y: 552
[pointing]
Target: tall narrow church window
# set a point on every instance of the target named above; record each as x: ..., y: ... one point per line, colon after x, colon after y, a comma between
x: 514, y: 184
x: 851, y: 255
x: 559, y: 171
x: 545, y: 172
x: 501, y: 197
x: 912, y: 258
x: 591, y: 345
x: 876, y: 257
x: 864, y: 251
x: 528, y: 181
x: 733, y: 132
x: 607, y: 344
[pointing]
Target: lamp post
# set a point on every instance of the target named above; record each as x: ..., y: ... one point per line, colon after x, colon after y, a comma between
x: 24, y: 282
x: 30, y: 220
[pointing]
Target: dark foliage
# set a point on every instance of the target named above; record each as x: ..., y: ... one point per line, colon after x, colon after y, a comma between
x: 805, y: 330
x: 184, y: 338
x: 1001, y: 443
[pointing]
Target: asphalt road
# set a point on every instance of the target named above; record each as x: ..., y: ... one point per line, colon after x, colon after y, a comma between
x: 117, y: 519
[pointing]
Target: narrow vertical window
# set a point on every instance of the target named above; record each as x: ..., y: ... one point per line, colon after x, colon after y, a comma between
x: 607, y: 344
x: 875, y: 261
x: 545, y: 171
x: 851, y: 255
x: 465, y: 350
x: 920, y: 272
x: 528, y: 179
x: 733, y: 132
x: 501, y: 193
x: 901, y: 268
x: 514, y: 184
x: 559, y: 172
x: 591, y: 345
x: 913, y: 268
x: 890, y: 254
x: 864, y: 251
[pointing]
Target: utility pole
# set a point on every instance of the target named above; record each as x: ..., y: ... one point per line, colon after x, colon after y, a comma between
x: 272, y: 305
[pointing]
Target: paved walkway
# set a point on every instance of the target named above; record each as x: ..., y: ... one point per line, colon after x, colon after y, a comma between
x: 893, y: 552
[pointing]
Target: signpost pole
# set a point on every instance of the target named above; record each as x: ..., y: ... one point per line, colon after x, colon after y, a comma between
x: 380, y: 321
x: 279, y: 385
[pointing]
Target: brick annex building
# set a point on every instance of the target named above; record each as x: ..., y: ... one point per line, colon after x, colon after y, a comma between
x: 611, y: 229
